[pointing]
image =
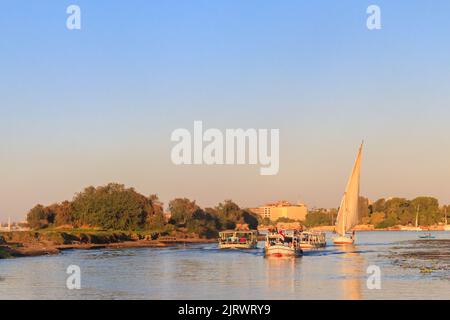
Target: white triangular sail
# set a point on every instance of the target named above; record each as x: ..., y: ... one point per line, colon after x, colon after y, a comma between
x: 348, y: 214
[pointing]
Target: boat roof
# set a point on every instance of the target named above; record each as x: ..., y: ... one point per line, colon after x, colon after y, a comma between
x: 238, y: 231
x: 312, y: 232
x: 286, y: 235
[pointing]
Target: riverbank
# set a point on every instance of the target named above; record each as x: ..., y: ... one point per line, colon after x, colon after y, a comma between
x: 370, y: 227
x: 362, y: 227
x: 39, y: 243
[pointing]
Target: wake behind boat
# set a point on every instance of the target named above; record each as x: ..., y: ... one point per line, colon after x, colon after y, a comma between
x: 349, y: 209
x: 283, y: 243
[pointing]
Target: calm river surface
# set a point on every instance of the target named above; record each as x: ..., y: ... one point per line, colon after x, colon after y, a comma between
x: 202, y: 271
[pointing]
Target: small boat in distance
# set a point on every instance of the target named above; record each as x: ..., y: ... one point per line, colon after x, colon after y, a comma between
x: 348, y: 213
x: 312, y: 240
x: 427, y: 236
x: 234, y: 239
x: 283, y: 243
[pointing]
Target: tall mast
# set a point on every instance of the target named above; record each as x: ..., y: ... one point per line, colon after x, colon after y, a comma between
x: 417, y: 216
x: 343, y: 217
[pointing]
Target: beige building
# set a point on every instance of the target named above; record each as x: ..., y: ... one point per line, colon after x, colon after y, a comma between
x: 282, y: 209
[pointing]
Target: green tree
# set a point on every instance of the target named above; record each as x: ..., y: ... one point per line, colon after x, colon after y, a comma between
x: 398, y: 211
x: 62, y: 212
x: 156, y: 222
x: 38, y: 217
x: 378, y: 206
x: 155, y: 216
x: 182, y: 210
x: 377, y: 217
x: 230, y: 214
x: 320, y: 217
x: 363, y: 208
x: 111, y: 207
x: 204, y: 224
x: 428, y: 208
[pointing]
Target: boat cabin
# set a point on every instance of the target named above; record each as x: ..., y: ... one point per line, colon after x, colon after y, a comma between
x: 312, y: 239
x: 284, y: 237
x: 281, y: 243
x: 238, y: 239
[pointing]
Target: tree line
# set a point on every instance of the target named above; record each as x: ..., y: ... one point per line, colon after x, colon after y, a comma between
x: 385, y: 213
x: 115, y: 207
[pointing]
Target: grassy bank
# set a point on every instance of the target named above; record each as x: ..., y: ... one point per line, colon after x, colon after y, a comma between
x: 47, y: 241
x: 74, y: 236
x: 5, y: 253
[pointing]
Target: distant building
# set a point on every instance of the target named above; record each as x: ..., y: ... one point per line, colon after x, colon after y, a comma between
x: 7, y: 226
x: 282, y: 209
x: 167, y: 216
x: 14, y: 226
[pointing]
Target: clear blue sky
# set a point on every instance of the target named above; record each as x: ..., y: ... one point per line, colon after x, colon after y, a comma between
x: 88, y: 107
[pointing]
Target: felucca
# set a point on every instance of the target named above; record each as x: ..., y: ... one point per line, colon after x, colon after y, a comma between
x: 349, y: 209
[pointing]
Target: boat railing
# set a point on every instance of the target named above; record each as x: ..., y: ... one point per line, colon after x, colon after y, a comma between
x: 238, y: 240
x: 277, y: 239
x: 234, y: 237
x: 312, y: 237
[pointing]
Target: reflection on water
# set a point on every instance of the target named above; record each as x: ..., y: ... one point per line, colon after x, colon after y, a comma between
x: 351, y: 269
x: 202, y: 271
x: 281, y: 273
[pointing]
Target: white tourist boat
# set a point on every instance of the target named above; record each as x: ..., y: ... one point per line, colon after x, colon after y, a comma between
x: 349, y: 209
x: 234, y: 239
x: 312, y: 240
x: 283, y: 243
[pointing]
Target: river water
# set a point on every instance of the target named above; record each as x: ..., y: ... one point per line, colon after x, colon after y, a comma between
x: 202, y: 271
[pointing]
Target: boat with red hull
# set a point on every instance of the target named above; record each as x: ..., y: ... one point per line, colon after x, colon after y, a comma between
x: 283, y: 243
